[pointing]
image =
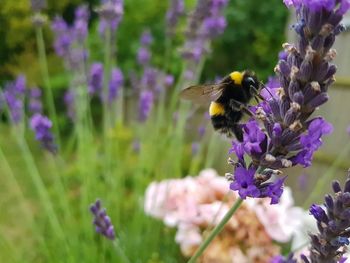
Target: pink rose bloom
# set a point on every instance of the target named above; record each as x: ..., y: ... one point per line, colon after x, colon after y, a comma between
x: 189, y: 237
x: 171, y: 200
x: 178, y: 200
x: 282, y: 220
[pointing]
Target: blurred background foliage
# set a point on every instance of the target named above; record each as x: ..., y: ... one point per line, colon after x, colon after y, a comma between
x: 250, y: 40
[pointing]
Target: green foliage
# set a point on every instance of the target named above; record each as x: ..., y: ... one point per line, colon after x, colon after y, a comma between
x: 250, y: 40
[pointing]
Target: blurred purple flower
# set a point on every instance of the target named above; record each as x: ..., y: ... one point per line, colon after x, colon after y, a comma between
x: 96, y: 79
x: 146, y: 38
x: 143, y: 53
x: 169, y: 80
x: 69, y: 40
x: 82, y: 15
x: 303, y: 180
x: 37, y: 5
x: 41, y: 125
x: 143, y: 56
x: 214, y: 26
x: 35, y: 105
x: 102, y: 222
x: 63, y: 39
x: 111, y: 13
x: 348, y: 129
x: 13, y: 95
x: 195, y: 146
x: 205, y: 24
x: 115, y: 83
x: 176, y: 9
x: 145, y: 105
x: 69, y: 102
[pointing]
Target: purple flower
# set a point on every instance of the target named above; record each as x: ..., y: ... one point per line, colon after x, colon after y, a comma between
x: 41, y: 125
x: 205, y: 24
x: 37, y: 5
x: 143, y: 56
x: 69, y: 40
x: 149, y: 78
x: 270, y: 90
x: 274, y: 190
x: 253, y: 137
x: 111, y: 13
x: 115, y: 83
x: 280, y: 259
x: 169, y: 80
x: 238, y: 149
x: 282, y: 134
x: 146, y: 38
x: 69, y: 102
x: 319, y: 214
x: 333, y: 222
x: 102, y: 222
x: 173, y: 14
x: 312, y: 140
x: 145, y: 105
x: 13, y: 95
x: 96, y: 79
x: 63, y: 39
x: 35, y: 105
x: 214, y: 26
x: 80, y: 26
x: 244, y: 182
x: 195, y: 148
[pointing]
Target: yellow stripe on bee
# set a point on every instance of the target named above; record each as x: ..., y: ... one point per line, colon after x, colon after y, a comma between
x: 216, y: 109
x: 237, y: 77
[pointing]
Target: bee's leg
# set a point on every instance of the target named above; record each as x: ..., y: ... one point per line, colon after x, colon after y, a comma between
x: 237, y: 130
x: 239, y: 106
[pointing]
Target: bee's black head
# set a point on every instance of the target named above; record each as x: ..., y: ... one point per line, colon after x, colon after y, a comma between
x: 251, y: 82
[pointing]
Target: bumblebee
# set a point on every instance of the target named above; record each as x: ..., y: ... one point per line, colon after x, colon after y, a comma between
x: 228, y: 100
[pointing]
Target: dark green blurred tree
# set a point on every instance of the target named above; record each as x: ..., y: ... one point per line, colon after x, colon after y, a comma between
x: 252, y: 39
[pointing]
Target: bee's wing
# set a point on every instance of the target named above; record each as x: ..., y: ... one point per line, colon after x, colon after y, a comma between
x: 202, y: 93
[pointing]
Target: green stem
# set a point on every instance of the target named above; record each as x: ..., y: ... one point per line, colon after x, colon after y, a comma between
x: 120, y: 252
x: 40, y: 186
x: 216, y: 231
x: 46, y: 78
x: 107, y: 68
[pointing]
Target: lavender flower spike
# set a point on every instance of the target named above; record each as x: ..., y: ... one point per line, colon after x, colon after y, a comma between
x: 333, y: 222
x: 13, y: 95
x: 37, y: 5
x: 282, y: 132
x: 176, y: 9
x: 102, y: 221
x: 115, y: 83
x: 145, y: 105
x: 111, y: 13
x: 41, y: 125
x: 35, y: 105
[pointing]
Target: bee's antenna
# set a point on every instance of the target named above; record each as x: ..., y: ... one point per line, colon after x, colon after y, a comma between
x: 268, y: 90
